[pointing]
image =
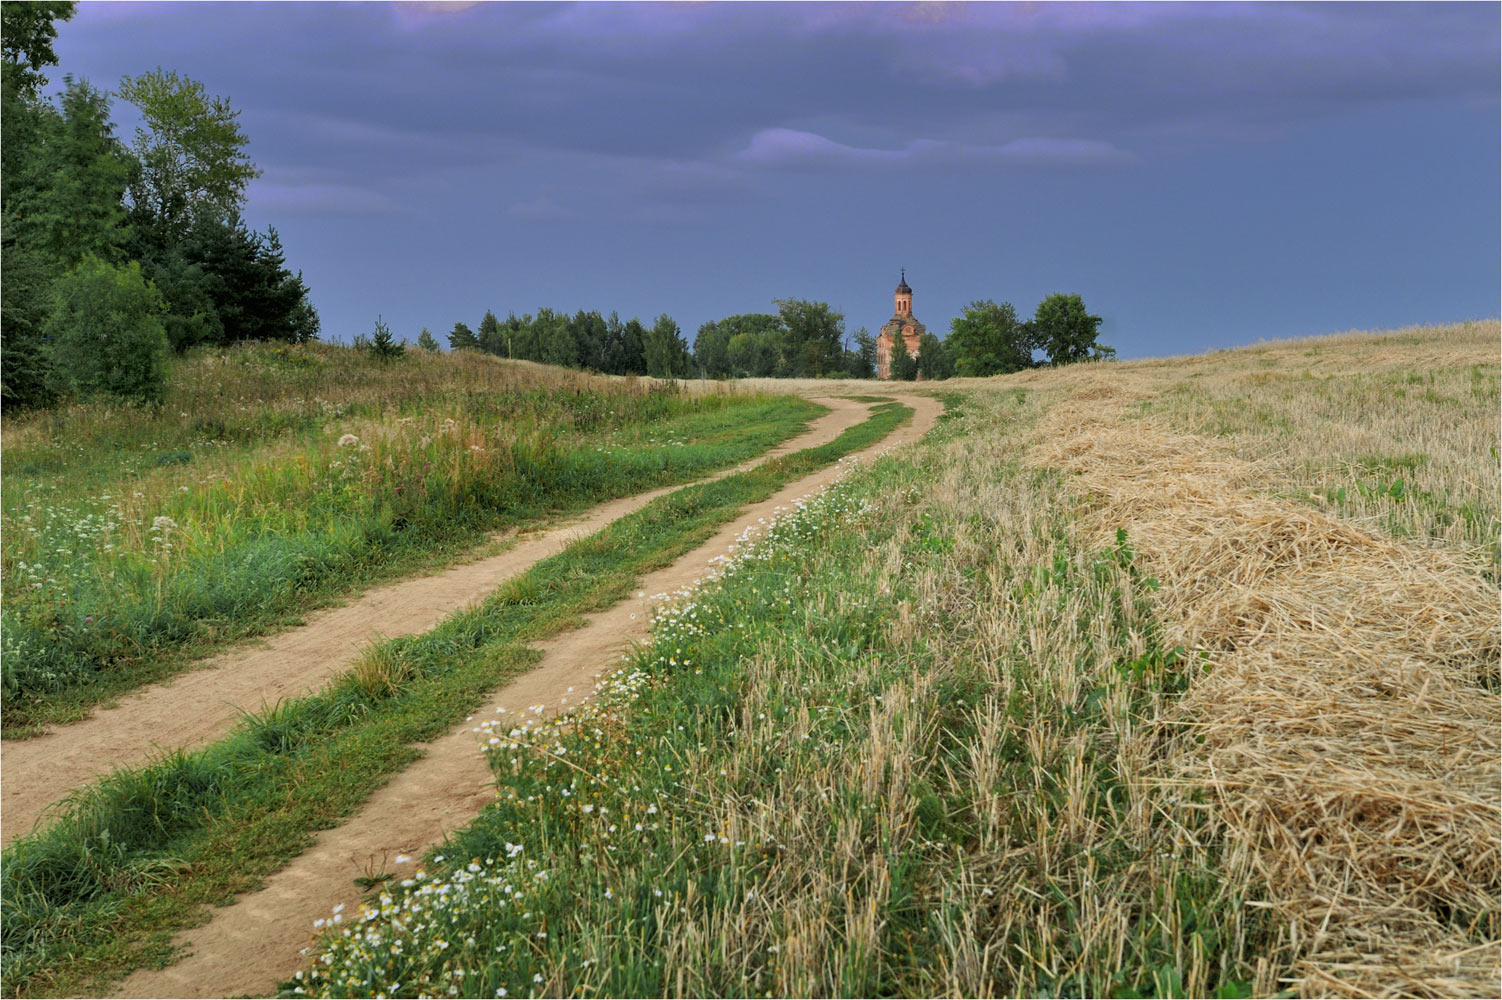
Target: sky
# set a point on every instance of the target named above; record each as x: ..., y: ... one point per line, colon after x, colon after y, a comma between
x: 1204, y: 175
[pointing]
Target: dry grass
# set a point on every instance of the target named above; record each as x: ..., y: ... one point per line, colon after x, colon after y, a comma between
x: 1349, y: 727
x: 1396, y: 431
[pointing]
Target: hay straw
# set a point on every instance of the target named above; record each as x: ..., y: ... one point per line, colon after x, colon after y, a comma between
x: 1347, y: 731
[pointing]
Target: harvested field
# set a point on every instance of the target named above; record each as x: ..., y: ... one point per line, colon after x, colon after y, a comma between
x: 1346, y: 724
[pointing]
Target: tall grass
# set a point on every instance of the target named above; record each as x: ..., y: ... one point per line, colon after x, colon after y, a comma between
x: 292, y: 474
x: 206, y: 824
x: 892, y: 750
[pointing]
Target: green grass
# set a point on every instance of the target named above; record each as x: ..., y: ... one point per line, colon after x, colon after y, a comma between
x: 884, y: 755
x: 139, y: 855
x: 130, y: 553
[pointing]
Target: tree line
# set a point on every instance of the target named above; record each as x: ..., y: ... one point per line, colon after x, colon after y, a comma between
x: 803, y: 339
x: 585, y: 340
x: 116, y: 253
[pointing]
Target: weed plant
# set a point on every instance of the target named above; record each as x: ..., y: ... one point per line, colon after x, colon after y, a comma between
x: 890, y: 751
x: 135, y: 538
x: 137, y: 856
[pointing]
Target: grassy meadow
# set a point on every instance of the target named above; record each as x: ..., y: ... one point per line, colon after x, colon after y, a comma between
x: 144, y: 851
x: 276, y: 479
x: 1165, y: 678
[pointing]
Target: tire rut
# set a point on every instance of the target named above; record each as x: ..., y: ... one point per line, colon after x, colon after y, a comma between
x: 196, y: 708
x: 249, y: 946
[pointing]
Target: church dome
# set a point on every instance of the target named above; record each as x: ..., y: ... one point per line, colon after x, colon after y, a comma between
x: 902, y: 288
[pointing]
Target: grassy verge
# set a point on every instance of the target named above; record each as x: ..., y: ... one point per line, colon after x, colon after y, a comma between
x: 137, y: 857
x: 902, y: 746
x: 113, y: 581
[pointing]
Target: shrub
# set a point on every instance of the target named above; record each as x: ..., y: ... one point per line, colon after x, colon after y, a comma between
x: 107, y: 335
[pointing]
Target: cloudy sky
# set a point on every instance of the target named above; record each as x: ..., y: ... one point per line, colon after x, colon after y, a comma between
x: 1203, y: 174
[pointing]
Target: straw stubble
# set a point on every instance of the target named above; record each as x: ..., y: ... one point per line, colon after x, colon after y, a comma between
x: 1347, y: 726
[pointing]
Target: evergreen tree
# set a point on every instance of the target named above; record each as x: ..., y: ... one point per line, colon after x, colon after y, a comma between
x: 383, y: 346
x: 462, y: 338
x: 933, y: 358
x: 904, y: 367
x: 490, y: 337
x: 68, y: 202
x: 243, y: 273
x: 192, y: 314
x: 25, y: 366
x: 427, y: 341
x: 624, y: 346
x: 861, y: 362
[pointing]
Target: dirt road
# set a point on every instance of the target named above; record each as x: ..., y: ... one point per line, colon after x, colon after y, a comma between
x: 197, y: 708
x: 249, y: 946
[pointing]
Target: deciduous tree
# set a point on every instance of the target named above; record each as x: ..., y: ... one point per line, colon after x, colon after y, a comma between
x: 664, y: 349
x: 988, y: 339
x: 1066, y: 331
x: 191, y: 152
x: 107, y: 333
x: 814, y: 338
x: 27, y: 31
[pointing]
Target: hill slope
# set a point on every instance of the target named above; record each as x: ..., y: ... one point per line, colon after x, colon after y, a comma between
x: 1158, y: 678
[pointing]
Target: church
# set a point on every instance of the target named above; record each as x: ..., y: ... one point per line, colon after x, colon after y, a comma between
x: 902, y: 326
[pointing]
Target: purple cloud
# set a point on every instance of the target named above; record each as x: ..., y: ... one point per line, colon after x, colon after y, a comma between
x: 785, y: 147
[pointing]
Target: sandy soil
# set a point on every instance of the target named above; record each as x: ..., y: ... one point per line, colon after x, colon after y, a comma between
x: 196, y: 708
x: 249, y: 946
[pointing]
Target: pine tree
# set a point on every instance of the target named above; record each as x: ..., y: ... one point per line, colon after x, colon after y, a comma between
x: 462, y: 338
x: 383, y: 346
x: 904, y: 365
x: 427, y: 341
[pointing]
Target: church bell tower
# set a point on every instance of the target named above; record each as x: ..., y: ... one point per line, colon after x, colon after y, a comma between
x: 902, y: 328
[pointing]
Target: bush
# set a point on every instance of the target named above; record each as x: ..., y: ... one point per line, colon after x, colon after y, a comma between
x: 107, y: 335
